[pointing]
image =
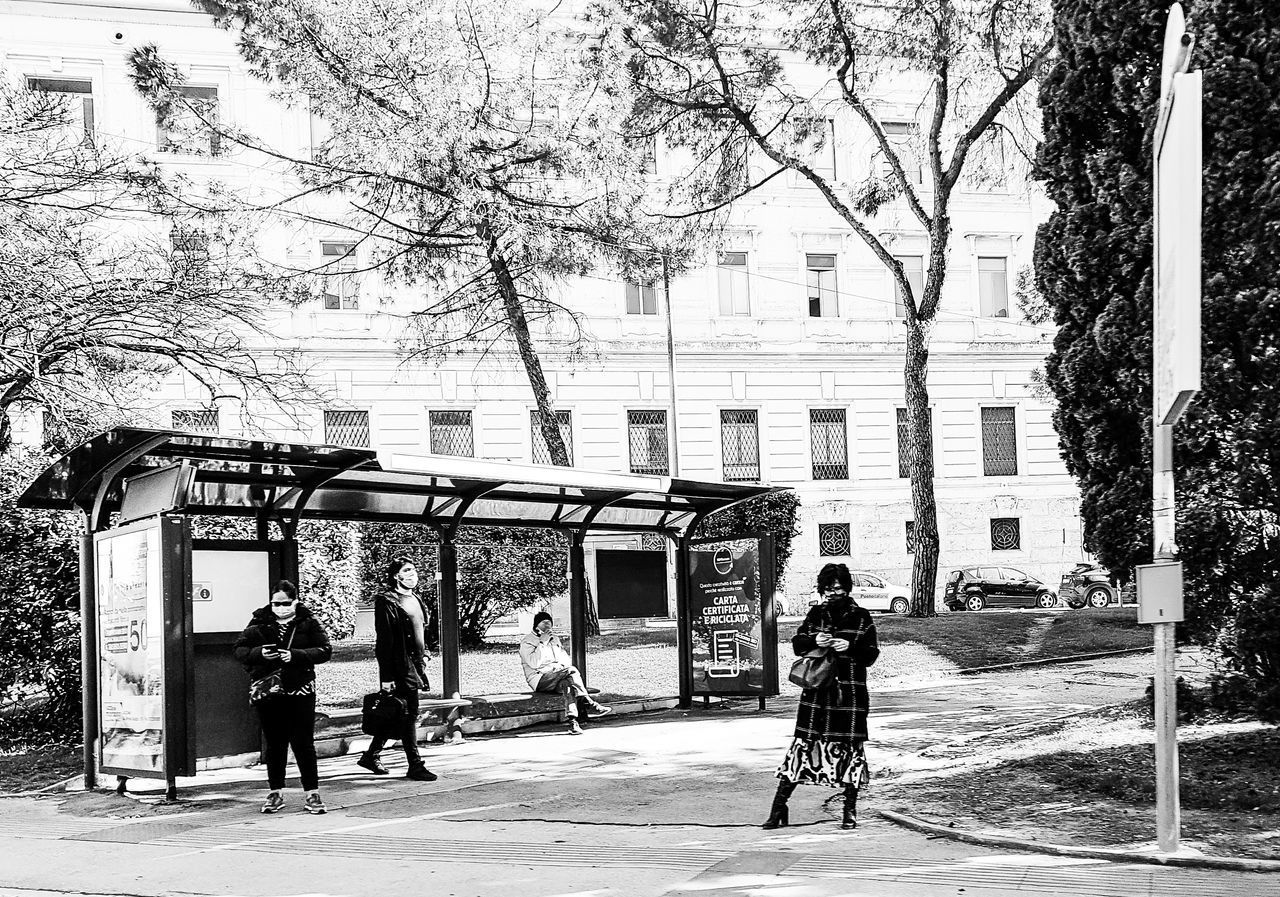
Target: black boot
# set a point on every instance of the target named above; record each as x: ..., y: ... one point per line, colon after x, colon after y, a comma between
x: 850, y: 819
x: 372, y: 763
x: 419, y: 773
x: 778, y: 812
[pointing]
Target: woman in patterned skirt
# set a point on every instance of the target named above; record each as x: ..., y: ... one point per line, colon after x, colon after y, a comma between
x: 831, y: 725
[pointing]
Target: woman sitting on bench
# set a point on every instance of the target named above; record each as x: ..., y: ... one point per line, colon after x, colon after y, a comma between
x: 547, y: 667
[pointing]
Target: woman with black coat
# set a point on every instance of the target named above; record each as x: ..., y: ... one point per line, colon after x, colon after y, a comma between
x: 285, y: 636
x: 402, y: 627
x: 831, y: 724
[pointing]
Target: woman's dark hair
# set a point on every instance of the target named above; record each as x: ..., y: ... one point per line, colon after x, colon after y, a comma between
x: 283, y: 585
x: 832, y: 574
x: 394, y: 568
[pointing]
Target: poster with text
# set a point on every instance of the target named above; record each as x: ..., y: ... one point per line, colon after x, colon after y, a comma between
x: 726, y: 619
x: 130, y: 607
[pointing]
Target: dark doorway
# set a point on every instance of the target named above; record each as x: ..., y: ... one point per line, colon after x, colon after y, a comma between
x: 631, y: 583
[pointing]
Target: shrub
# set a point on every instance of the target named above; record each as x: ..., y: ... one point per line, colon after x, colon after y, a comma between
x: 39, y: 610
x: 774, y: 514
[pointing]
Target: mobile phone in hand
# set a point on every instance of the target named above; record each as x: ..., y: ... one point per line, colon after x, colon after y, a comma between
x: 270, y: 649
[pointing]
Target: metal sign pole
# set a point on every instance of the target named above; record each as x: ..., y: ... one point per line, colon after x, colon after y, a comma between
x: 1176, y: 198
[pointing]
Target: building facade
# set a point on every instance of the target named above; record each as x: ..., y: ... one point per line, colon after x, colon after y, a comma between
x: 786, y: 345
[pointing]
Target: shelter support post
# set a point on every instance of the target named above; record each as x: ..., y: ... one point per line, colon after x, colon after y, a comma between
x: 88, y: 662
x: 289, y: 557
x: 682, y: 622
x: 578, y: 601
x: 448, y: 592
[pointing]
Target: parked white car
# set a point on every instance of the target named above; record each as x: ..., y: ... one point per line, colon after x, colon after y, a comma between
x: 874, y: 593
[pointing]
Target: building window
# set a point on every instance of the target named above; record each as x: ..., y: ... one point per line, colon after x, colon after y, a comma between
x: 735, y: 297
x: 199, y: 420
x: 641, y: 299
x: 902, y: 138
x: 911, y: 537
x: 647, y: 435
x: 78, y: 96
x: 833, y: 540
x: 740, y: 443
x: 828, y: 435
x: 993, y: 287
x: 190, y: 253
x: 999, y: 443
x: 649, y: 154
x: 1006, y: 534
x: 821, y: 281
x: 904, y: 442
x: 913, y: 268
x: 341, y: 289
x: 189, y: 128
x: 350, y: 428
x: 541, y: 454
x: 450, y: 433
x: 824, y: 160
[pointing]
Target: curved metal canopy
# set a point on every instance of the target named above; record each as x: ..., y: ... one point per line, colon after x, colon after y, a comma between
x: 251, y: 477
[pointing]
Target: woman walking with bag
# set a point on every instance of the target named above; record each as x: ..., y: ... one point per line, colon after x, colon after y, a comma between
x: 401, y: 627
x: 831, y: 725
x: 281, y: 646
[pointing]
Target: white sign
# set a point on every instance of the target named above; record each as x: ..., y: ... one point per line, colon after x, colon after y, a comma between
x: 1160, y: 592
x: 1177, y: 235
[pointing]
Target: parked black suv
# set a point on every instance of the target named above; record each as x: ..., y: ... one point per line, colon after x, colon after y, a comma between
x: 1089, y: 584
x: 974, y: 588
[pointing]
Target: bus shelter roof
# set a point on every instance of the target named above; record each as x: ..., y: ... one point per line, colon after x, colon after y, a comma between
x: 253, y: 477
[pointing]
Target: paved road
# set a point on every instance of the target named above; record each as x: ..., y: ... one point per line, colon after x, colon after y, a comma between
x: 657, y: 804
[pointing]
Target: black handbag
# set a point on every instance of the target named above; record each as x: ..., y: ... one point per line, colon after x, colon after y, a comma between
x: 271, y: 684
x: 814, y: 669
x: 383, y: 714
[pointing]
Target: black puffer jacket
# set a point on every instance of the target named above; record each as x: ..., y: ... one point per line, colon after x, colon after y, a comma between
x: 310, y: 646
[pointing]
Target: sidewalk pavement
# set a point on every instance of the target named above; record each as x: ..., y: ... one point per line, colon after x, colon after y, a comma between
x: 664, y: 803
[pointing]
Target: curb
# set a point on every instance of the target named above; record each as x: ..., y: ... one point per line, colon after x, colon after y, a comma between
x: 1047, y: 661
x: 1115, y: 855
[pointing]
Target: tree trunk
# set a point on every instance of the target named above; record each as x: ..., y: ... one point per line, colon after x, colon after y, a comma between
x: 924, y: 567
x: 524, y: 342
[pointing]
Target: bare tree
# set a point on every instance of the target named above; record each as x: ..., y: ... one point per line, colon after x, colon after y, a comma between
x: 718, y: 80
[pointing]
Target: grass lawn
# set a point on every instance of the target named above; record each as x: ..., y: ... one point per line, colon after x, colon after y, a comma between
x: 29, y: 770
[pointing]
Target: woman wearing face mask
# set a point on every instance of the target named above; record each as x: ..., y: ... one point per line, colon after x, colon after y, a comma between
x: 831, y: 724
x: 401, y: 625
x: 285, y: 636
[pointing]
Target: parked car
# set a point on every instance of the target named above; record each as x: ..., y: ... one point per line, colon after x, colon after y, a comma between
x: 1087, y: 583
x: 973, y: 588
x: 874, y: 593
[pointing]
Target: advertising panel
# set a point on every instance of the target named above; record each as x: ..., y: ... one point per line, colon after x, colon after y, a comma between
x: 733, y: 633
x: 130, y: 605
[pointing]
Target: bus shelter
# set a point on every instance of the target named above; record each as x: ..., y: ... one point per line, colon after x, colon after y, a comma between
x: 137, y: 488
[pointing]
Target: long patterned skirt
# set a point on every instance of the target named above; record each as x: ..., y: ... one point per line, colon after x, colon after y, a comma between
x: 819, y: 762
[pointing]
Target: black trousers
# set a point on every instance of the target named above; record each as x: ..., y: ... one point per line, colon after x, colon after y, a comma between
x: 409, y: 727
x: 290, y: 721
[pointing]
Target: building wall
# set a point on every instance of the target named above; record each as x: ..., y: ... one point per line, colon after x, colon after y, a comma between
x: 776, y: 360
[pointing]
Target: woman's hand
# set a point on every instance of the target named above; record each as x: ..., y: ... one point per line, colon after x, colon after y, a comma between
x: 839, y: 644
x: 284, y: 655
x: 388, y: 686
x: 823, y: 639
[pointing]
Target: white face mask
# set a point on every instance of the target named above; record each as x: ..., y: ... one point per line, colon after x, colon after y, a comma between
x: 284, y: 612
x: 407, y: 578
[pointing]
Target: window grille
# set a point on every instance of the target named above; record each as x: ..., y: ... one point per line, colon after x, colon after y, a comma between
x: 541, y: 454
x: 821, y: 281
x: 184, y: 130
x: 641, y: 299
x: 1006, y: 534
x: 904, y: 443
x: 349, y: 428
x: 735, y: 295
x: 999, y: 443
x: 833, y: 540
x: 78, y: 96
x: 653, y: 542
x: 911, y: 537
x: 993, y: 287
x: 341, y: 288
x: 829, y: 437
x: 200, y: 420
x: 647, y: 435
x: 913, y: 268
x: 451, y: 433
x: 741, y: 446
